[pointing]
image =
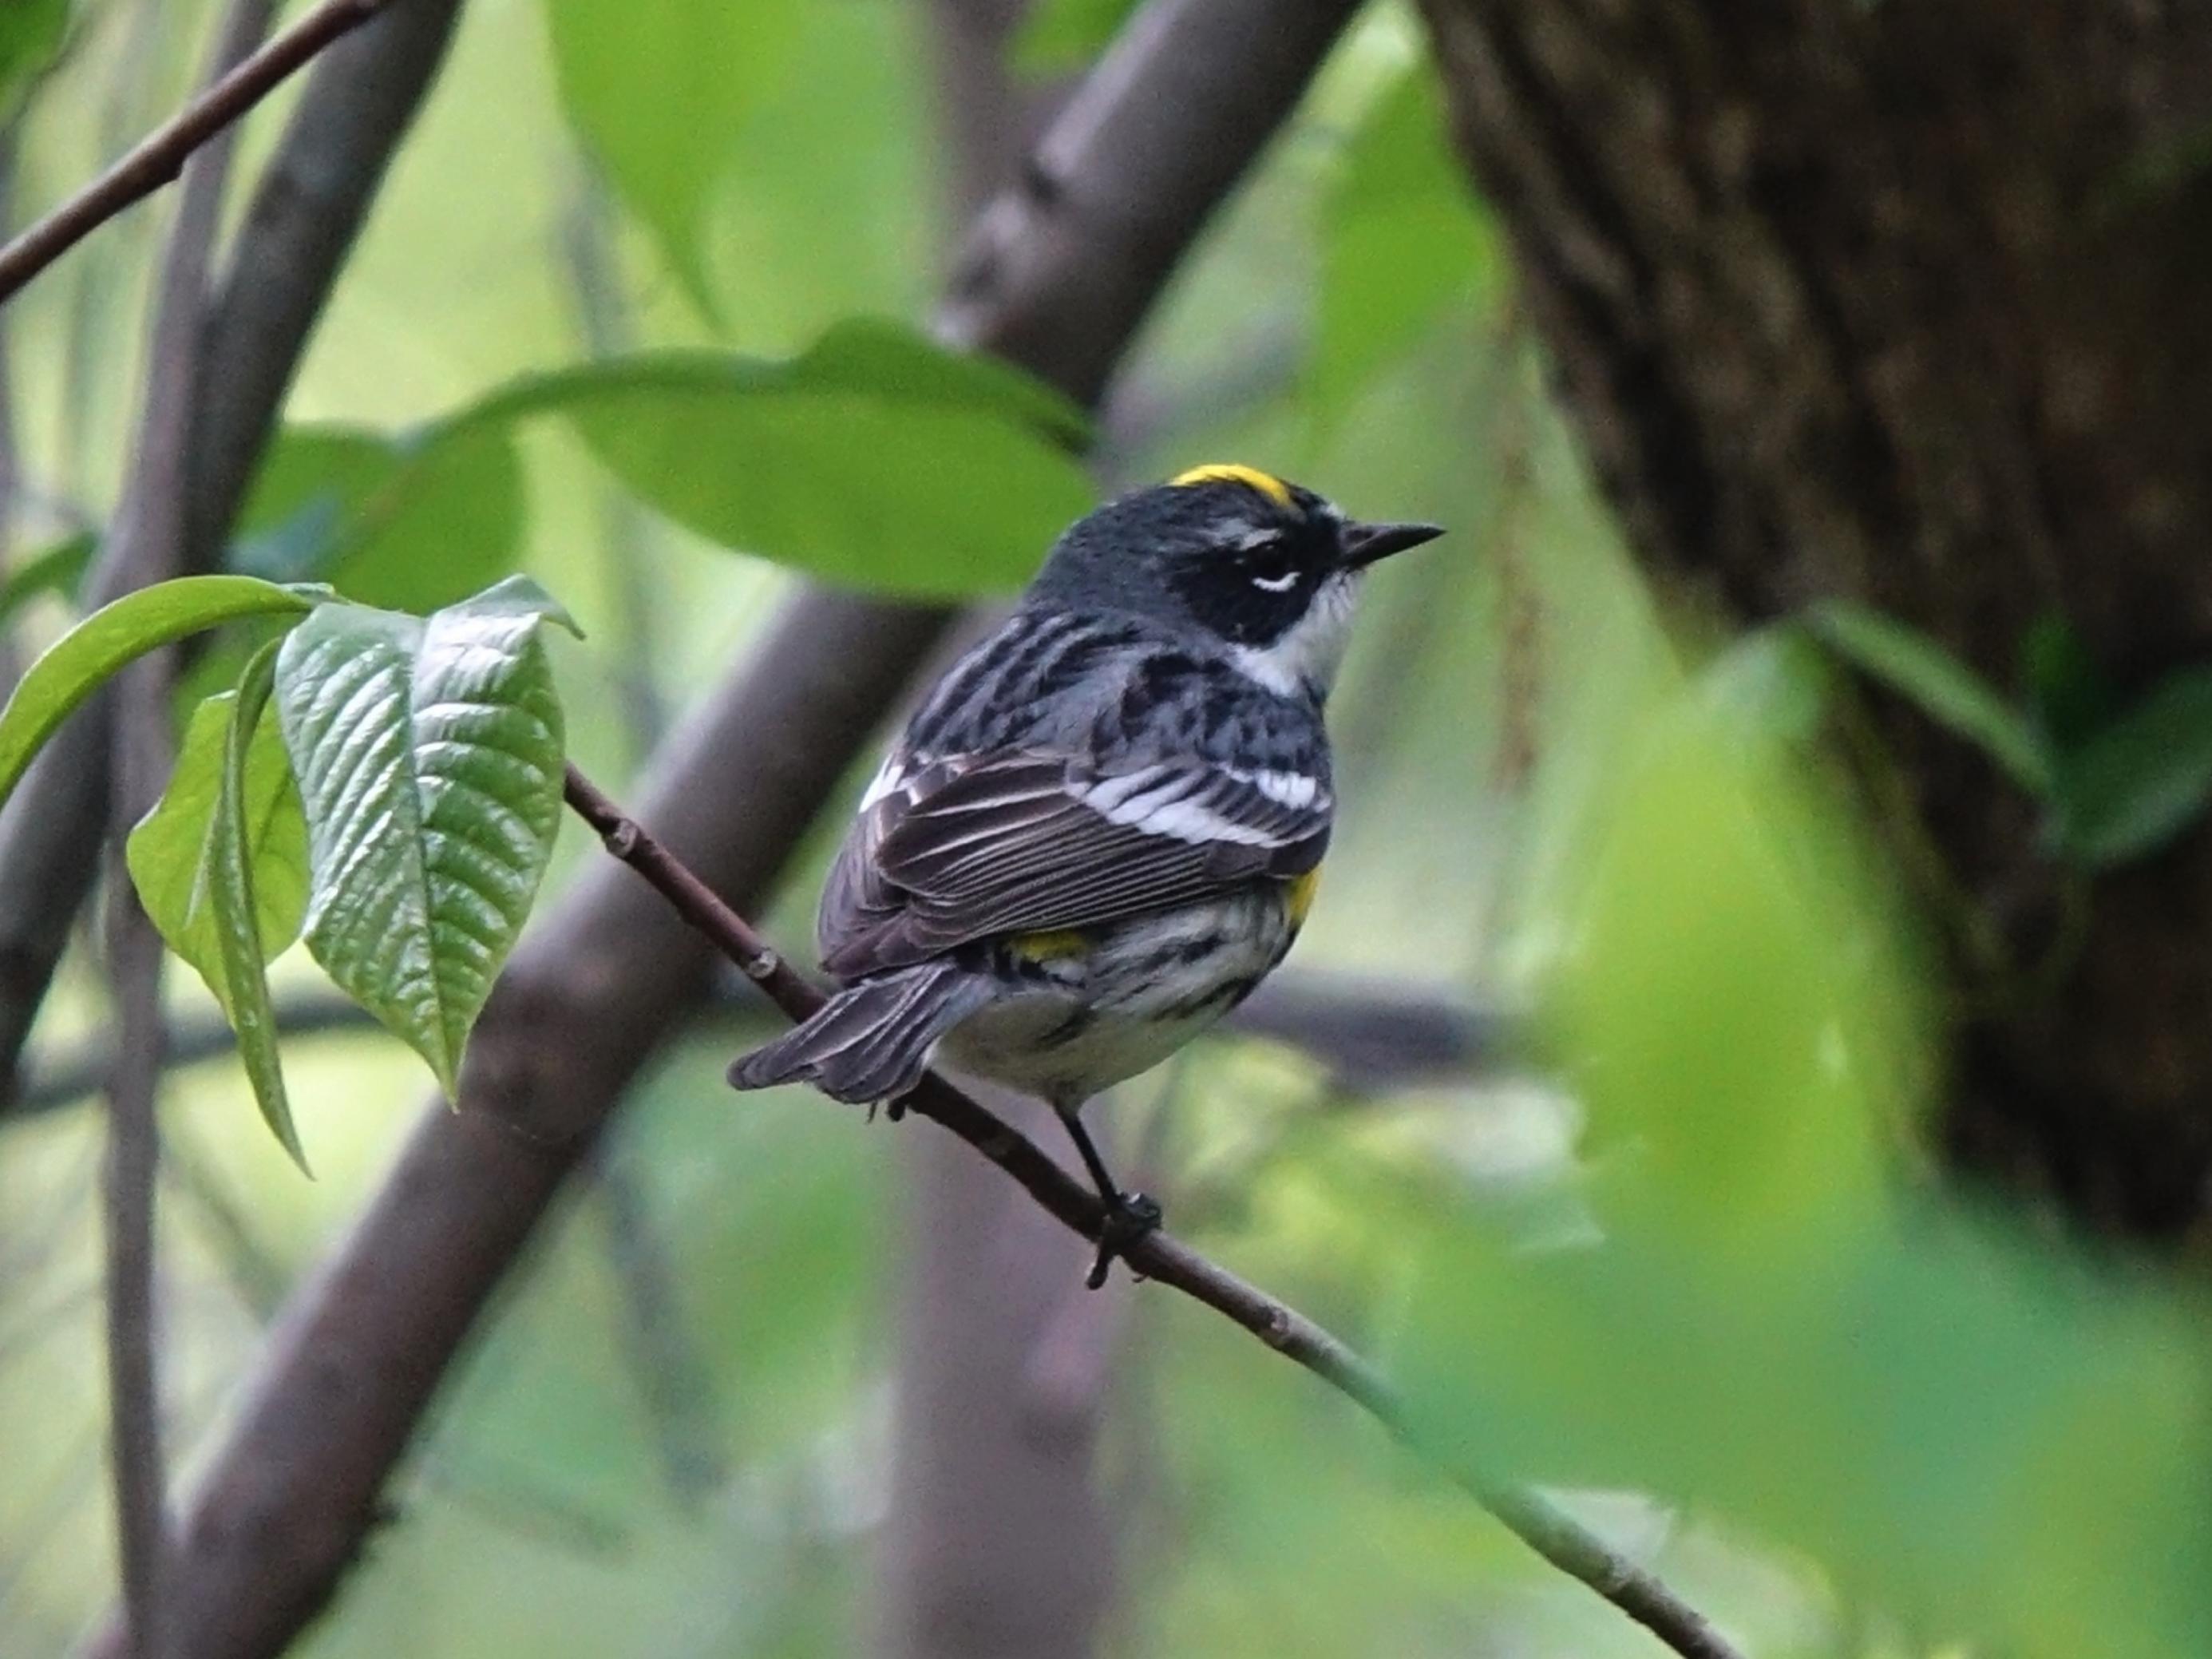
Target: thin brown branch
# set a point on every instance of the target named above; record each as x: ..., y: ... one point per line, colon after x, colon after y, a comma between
x: 1159, y: 1255
x: 161, y: 156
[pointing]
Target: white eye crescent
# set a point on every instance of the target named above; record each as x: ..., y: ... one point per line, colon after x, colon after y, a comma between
x: 1282, y: 584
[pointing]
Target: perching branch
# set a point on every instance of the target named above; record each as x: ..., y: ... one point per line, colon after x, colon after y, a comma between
x: 1160, y: 1255
x: 161, y: 156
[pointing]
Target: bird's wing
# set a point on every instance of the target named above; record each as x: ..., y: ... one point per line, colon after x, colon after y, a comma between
x: 973, y: 846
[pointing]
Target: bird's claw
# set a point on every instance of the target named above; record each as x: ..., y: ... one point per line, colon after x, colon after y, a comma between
x: 1130, y: 1217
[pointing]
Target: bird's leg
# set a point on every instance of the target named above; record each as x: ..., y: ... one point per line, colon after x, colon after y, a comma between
x: 1129, y: 1216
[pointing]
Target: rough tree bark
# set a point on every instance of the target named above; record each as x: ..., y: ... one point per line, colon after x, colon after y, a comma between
x: 1907, y: 303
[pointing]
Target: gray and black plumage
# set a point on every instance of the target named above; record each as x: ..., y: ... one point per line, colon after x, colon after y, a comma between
x: 1102, y: 826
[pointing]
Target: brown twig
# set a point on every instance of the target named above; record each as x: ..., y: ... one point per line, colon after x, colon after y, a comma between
x: 160, y: 156
x: 1159, y: 1255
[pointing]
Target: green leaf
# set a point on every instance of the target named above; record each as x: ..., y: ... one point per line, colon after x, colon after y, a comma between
x: 2139, y: 781
x: 1945, y: 689
x: 404, y: 522
x: 429, y: 757
x: 1402, y: 240
x: 876, y: 459
x: 170, y: 852
x: 55, y: 569
x: 221, y: 865
x: 1060, y: 37
x: 661, y: 93
x: 76, y: 664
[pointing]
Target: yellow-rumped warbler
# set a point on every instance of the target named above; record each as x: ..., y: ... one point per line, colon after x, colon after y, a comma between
x: 1104, y: 824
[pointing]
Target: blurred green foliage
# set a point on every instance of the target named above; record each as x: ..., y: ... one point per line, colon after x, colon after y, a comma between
x: 1696, y: 1275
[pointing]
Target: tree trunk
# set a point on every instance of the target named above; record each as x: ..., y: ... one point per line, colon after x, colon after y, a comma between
x: 1909, y: 303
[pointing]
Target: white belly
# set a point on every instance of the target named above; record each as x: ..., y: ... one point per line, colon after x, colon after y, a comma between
x: 1142, y: 991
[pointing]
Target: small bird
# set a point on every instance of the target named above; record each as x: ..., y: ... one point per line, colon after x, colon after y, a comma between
x: 1104, y: 824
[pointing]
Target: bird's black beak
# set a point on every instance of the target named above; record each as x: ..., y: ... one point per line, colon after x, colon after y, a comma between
x: 1363, y: 544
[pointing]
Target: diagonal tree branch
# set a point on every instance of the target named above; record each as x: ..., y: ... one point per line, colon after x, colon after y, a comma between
x: 161, y: 156
x: 1062, y: 272
x: 306, y: 210
x: 1159, y: 1255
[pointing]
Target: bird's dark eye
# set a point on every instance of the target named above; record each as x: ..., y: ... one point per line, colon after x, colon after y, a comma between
x: 1270, y: 567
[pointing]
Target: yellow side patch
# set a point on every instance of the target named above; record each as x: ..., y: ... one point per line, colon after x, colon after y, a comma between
x: 1301, y: 898
x: 1230, y: 472
x: 1055, y: 946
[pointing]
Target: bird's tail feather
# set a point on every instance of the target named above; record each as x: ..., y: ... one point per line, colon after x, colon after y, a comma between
x: 871, y: 1041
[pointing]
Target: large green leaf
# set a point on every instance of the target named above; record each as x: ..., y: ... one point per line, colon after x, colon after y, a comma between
x: 1402, y: 240
x: 661, y: 93
x: 429, y: 756
x: 78, y: 663
x: 221, y: 865
x: 1945, y: 689
x: 404, y: 522
x: 875, y: 459
x: 2140, y: 779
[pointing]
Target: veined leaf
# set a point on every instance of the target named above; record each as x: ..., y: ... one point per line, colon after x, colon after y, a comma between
x: 221, y: 865
x: 2140, y: 779
x: 78, y: 663
x: 406, y: 521
x: 875, y: 459
x: 429, y: 756
x: 1943, y: 687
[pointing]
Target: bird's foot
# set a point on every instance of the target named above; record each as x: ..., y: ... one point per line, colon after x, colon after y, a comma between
x: 1129, y: 1218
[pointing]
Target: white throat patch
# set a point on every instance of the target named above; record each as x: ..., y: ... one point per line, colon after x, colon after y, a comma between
x: 1306, y: 658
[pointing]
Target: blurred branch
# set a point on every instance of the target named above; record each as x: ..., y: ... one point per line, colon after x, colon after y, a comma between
x: 672, y: 1374
x: 308, y: 207
x: 1372, y: 1034
x: 147, y: 541
x: 134, y: 1411
x: 68, y: 1077
x: 1063, y: 271
x: 1159, y: 1255
x: 162, y: 155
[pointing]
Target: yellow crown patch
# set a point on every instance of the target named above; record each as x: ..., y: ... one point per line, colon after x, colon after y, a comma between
x: 1229, y: 472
